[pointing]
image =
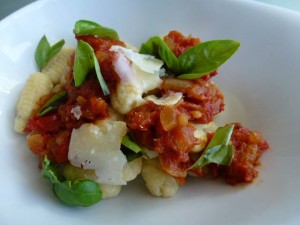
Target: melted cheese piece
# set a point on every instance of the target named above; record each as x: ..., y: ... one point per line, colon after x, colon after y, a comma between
x: 138, y: 73
x: 146, y: 63
x: 98, y: 147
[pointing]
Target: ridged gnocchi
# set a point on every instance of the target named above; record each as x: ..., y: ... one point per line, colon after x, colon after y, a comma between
x: 58, y: 67
x: 157, y: 181
x: 132, y: 169
x: 37, y: 85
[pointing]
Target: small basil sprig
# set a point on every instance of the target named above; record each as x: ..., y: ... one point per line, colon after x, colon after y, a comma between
x: 130, y: 149
x: 85, y: 61
x: 86, y: 27
x: 196, y: 61
x: 44, y: 52
x: 219, y: 150
x: 76, y: 193
x: 157, y: 47
x: 205, y: 58
x: 53, y: 103
x: 128, y: 143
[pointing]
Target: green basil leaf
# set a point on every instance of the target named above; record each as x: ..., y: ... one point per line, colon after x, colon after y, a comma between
x: 219, y: 154
x: 78, y: 193
x: 101, y: 80
x: 44, y: 52
x: 55, y: 48
x: 85, y: 27
x: 128, y: 143
x: 229, y: 157
x: 41, y: 52
x: 85, y: 61
x: 219, y: 150
x: 205, y: 58
x: 130, y: 149
x: 222, y: 136
x: 157, y: 47
x: 50, y: 171
x: 53, y: 103
x: 191, y: 76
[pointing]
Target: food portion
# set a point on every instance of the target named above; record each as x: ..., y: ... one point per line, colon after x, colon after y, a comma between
x: 105, y: 113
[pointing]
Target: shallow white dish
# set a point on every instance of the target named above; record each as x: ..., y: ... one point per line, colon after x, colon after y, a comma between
x: 261, y: 86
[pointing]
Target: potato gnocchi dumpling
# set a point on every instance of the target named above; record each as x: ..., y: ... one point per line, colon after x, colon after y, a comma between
x: 37, y: 85
x: 132, y: 169
x: 158, y: 182
x: 58, y: 67
x: 109, y: 190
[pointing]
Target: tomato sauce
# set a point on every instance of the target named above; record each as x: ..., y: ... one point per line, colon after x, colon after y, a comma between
x: 164, y: 129
x: 201, y: 96
x: 178, y: 43
x: 50, y: 134
x: 249, y: 146
x: 105, y: 57
x: 173, y: 145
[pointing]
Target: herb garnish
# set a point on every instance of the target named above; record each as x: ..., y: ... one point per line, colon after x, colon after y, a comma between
x: 77, y: 193
x: 197, y: 61
x: 85, y: 61
x: 44, y: 52
x: 53, y: 103
x: 219, y: 150
x: 86, y: 27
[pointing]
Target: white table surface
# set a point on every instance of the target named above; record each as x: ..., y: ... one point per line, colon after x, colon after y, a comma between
x: 9, y: 6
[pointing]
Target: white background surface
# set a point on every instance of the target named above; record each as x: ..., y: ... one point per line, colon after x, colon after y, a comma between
x: 261, y: 85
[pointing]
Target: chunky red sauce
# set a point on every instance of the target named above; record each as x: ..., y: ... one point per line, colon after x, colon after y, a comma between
x: 178, y: 43
x: 164, y: 129
x: 53, y: 131
x: 105, y: 57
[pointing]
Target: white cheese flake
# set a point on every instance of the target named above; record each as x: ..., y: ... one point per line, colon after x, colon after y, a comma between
x: 146, y: 63
x: 76, y: 111
x: 98, y: 147
x: 170, y: 99
x: 139, y: 73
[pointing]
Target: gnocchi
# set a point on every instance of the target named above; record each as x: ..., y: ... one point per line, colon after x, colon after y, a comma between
x: 158, y: 182
x: 37, y: 85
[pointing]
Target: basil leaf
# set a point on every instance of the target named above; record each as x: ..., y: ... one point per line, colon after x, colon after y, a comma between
x: 157, y: 47
x: 55, y: 48
x: 41, y: 52
x: 219, y: 154
x: 128, y: 143
x: 44, y: 52
x: 53, y: 103
x: 77, y: 193
x: 196, y: 61
x: 85, y: 27
x: 219, y: 150
x: 101, y: 80
x: 130, y: 149
x: 222, y: 136
x: 130, y: 155
x: 205, y: 58
x: 85, y: 61
x: 229, y: 157
x: 50, y: 171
